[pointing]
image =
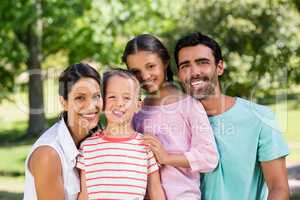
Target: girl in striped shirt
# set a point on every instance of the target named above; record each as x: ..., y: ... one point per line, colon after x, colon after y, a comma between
x: 115, y: 163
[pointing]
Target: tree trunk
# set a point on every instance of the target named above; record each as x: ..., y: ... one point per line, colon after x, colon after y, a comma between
x: 37, y: 121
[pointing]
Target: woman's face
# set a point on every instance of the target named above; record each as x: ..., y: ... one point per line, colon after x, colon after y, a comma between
x: 83, y: 105
x: 121, y: 100
x: 149, y: 70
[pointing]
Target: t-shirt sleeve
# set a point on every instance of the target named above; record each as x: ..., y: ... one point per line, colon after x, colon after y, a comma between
x: 80, y: 164
x: 202, y: 155
x: 271, y: 144
x: 152, y: 164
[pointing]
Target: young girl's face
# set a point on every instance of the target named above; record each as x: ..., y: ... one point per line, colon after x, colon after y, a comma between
x: 83, y: 105
x: 148, y: 68
x: 121, y: 100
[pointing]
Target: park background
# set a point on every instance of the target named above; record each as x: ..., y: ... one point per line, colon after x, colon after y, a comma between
x: 38, y: 38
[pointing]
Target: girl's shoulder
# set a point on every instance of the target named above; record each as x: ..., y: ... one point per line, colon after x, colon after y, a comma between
x: 172, y: 99
x: 139, y: 136
x: 94, y: 138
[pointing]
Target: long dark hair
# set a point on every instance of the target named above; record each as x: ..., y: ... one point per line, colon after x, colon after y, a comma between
x: 147, y: 42
x: 72, y: 74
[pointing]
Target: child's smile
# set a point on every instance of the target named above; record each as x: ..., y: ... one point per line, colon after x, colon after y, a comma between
x: 121, y: 100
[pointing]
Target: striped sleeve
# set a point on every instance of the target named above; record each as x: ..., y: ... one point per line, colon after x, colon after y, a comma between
x: 152, y: 165
x: 80, y: 164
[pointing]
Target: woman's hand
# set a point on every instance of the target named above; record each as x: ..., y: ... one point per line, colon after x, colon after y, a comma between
x: 156, y: 147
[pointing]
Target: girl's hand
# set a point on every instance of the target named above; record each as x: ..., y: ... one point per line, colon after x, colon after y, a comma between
x: 154, y: 144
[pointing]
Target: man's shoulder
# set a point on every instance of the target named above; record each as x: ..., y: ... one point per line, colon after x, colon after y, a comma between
x: 251, y: 105
x: 92, y: 140
x: 254, y: 107
x: 257, y: 111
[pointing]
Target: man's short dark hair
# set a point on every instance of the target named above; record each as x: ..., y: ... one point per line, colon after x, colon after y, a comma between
x: 198, y: 38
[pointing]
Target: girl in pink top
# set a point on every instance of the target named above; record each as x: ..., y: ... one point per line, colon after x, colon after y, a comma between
x: 180, y: 135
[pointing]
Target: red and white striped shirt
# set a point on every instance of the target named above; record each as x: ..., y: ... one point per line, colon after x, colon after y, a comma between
x: 116, y: 168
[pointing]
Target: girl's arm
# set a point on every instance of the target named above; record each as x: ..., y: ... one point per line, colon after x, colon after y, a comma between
x: 80, y: 164
x: 83, y: 191
x: 154, y: 187
x: 202, y: 155
x: 45, y: 166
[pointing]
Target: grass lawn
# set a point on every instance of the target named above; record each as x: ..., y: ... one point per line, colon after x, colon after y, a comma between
x: 14, y: 147
x: 13, y: 164
x: 13, y: 151
x: 288, y: 115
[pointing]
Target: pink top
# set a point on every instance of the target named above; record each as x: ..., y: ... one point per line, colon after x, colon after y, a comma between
x: 182, y: 127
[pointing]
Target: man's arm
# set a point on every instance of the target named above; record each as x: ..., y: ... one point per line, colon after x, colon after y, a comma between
x: 275, y: 175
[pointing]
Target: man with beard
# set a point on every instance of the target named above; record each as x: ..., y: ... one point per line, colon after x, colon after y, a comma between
x: 252, y: 150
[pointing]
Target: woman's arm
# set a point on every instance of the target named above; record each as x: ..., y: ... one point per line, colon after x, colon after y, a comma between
x: 83, y: 192
x: 154, y: 187
x: 45, y: 167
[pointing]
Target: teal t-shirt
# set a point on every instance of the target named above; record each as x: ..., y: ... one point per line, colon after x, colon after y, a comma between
x: 246, y: 135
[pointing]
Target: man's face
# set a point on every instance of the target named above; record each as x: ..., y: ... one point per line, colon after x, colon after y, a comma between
x: 198, y: 71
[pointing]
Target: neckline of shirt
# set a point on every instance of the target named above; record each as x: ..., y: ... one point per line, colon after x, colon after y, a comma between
x: 227, y: 112
x: 118, y: 139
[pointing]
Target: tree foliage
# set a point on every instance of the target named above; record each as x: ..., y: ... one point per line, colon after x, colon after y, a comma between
x: 260, y: 41
x: 259, y: 38
x: 31, y: 30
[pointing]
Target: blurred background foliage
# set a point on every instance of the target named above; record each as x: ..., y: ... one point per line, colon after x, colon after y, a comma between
x: 260, y: 38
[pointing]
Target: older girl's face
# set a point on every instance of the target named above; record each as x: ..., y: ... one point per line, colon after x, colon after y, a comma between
x: 149, y: 70
x: 83, y: 105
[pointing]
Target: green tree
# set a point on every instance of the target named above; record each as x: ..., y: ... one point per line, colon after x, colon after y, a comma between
x: 111, y: 23
x: 297, y: 3
x: 259, y: 40
x: 31, y: 30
